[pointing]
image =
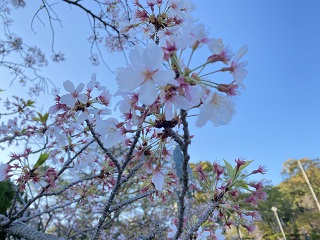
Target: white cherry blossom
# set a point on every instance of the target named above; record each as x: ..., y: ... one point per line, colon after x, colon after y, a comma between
x: 217, y: 108
x: 110, y: 132
x: 237, y: 68
x: 202, y: 235
x: 3, y: 171
x: 172, y: 231
x: 158, y: 178
x: 145, y: 72
x: 74, y: 96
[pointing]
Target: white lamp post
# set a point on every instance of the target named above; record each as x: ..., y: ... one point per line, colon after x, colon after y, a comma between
x: 310, y: 187
x: 274, y: 209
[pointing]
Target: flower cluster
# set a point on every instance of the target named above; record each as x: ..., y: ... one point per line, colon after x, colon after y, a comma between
x: 177, y: 87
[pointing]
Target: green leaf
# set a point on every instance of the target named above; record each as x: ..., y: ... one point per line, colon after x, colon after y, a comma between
x: 30, y: 103
x: 45, y: 117
x: 42, y: 158
x: 42, y: 118
x: 229, y: 169
x: 241, y: 184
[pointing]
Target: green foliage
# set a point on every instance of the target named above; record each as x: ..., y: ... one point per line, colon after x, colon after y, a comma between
x: 41, y: 160
x: 296, y: 207
x: 230, y: 169
x: 41, y: 118
x: 6, y: 195
x: 30, y: 103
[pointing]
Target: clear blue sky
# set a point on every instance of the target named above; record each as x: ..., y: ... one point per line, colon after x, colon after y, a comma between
x: 277, y: 116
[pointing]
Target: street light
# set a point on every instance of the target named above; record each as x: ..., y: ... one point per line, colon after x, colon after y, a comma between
x: 274, y: 209
x: 310, y: 187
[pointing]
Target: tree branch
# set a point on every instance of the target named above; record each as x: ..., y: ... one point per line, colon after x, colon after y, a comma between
x: 185, y: 173
x: 106, y: 151
x: 94, y: 16
x: 65, y: 166
x: 120, y: 205
x: 22, y: 230
x: 204, y: 217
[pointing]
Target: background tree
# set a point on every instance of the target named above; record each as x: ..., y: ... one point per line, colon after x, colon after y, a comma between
x: 294, y: 202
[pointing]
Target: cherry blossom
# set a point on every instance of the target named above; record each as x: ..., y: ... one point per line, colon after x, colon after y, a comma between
x: 110, y: 132
x: 216, y: 108
x: 220, y: 52
x: 172, y: 98
x: 237, y: 68
x: 172, y: 230
x: 145, y: 72
x: 4, y: 168
x: 74, y: 96
x: 202, y: 234
x: 158, y: 178
x: 218, y: 234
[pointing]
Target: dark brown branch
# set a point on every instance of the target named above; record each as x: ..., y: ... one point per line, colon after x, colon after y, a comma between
x: 106, y: 151
x: 20, y: 229
x: 114, y: 192
x: 51, y: 210
x: 185, y: 173
x: 132, y: 147
x: 203, y: 218
x: 70, y: 185
x: 94, y: 16
x: 131, y: 200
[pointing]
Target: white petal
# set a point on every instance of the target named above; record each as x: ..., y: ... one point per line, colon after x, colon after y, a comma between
x: 204, y: 115
x: 172, y: 230
x: 3, y: 171
x: 168, y: 110
x: 136, y: 58
x: 222, y: 110
x: 68, y: 86
x: 238, y: 75
x: 101, y: 127
x: 215, y: 46
x: 181, y: 102
x: 80, y: 88
x: 148, y: 93
x: 158, y: 180
x: 153, y: 57
x: 68, y: 99
x: 110, y: 141
x: 193, y: 95
x: 111, y: 122
x: 82, y: 117
x: 128, y: 79
x: 242, y: 51
x: 163, y: 77
x: 83, y: 98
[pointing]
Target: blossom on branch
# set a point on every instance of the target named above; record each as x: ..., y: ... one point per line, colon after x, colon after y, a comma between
x: 110, y: 132
x: 74, y: 94
x: 158, y: 178
x: 216, y: 108
x: 144, y: 73
x: 4, y: 168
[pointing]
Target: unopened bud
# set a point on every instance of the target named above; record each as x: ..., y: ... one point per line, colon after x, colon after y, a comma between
x: 229, y: 89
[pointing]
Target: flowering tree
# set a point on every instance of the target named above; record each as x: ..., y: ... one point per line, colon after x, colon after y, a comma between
x: 83, y: 173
